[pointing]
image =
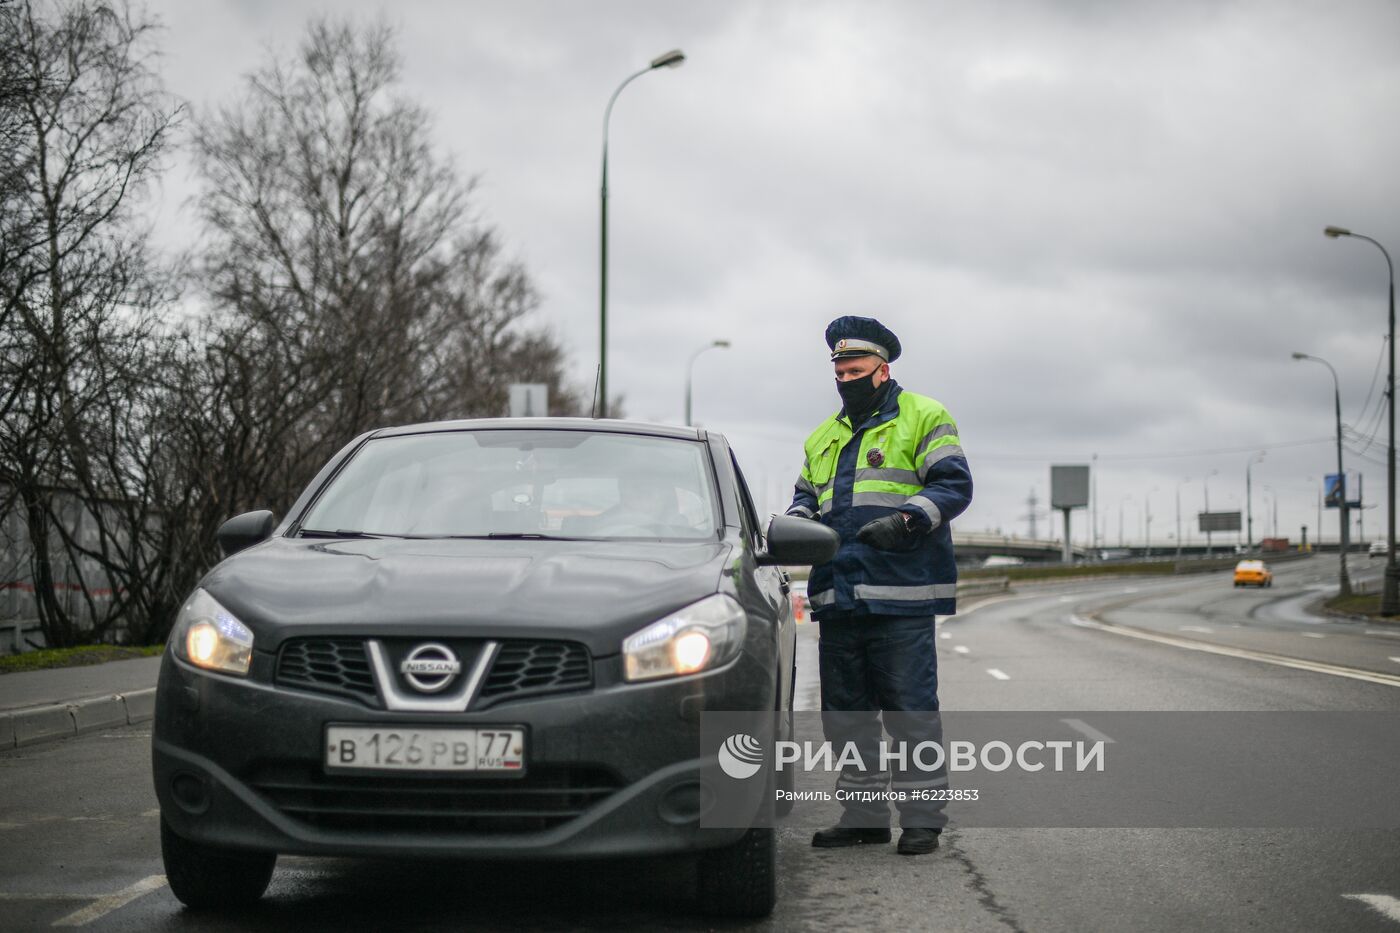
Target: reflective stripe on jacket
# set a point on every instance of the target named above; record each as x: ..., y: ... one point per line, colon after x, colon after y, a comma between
x: 919, y: 470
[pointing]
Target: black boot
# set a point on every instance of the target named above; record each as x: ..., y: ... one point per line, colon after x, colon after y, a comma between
x: 918, y: 841
x: 840, y: 836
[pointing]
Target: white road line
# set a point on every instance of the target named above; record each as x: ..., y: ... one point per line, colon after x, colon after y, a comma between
x: 960, y: 649
x: 1376, y: 631
x: 1198, y: 628
x: 1086, y: 730
x: 999, y: 675
x: 105, y: 905
x: 945, y: 634
x: 1383, y: 904
x: 1190, y: 644
x: 1130, y: 589
x: 1313, y: 635
x: 1396, y: 660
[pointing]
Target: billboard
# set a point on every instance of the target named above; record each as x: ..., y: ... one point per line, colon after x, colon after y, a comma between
x: 1337, y: 485
x: 1069, y: 487
x: 1219, y: 521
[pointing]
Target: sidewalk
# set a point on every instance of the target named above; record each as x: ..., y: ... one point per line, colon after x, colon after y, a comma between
x: 36, y: 706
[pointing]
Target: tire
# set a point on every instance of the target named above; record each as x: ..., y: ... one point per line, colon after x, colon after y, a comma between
x: 740, y: 880
x: 207, y: 877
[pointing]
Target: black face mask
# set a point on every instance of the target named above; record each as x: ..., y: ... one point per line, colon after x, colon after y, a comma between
x: 858, y: 395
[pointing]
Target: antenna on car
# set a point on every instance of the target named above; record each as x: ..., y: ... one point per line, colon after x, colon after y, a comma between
x: 597, y: 378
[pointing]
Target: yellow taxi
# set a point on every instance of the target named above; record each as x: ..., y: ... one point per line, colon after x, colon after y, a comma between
x: 1253, y: 573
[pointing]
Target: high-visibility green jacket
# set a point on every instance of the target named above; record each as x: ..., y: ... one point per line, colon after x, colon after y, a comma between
x: 905, y: 457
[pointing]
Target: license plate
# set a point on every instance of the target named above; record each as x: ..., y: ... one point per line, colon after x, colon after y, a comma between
x: 492, y: 749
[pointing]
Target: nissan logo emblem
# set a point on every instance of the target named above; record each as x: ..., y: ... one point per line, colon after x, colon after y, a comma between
x: 430, y: 668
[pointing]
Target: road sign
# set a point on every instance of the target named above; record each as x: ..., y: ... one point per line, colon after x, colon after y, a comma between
x: 529, y: 400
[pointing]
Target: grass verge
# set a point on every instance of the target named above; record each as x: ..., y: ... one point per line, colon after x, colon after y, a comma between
x: 1358, y: 604
x: 74, y: 657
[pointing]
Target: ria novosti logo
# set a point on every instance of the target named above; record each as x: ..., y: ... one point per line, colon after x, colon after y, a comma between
x: 740, y: 756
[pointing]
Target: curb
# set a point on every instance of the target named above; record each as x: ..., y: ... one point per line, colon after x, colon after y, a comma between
x: 22, y: 727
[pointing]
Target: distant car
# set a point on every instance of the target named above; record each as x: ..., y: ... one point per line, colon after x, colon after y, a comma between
x: 485, y: 639
x: 1380, y: 549
x: 1253, y: 573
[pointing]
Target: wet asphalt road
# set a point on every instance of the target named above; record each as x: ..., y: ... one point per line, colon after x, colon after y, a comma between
x: 79, y: 830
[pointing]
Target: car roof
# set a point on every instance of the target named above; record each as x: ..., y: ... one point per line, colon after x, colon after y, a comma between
x: 1249, y: 563
x: 607, y: 425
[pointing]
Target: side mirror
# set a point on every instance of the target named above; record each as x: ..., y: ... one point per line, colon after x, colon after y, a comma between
x: 793, y: 540
x: 246, y: 530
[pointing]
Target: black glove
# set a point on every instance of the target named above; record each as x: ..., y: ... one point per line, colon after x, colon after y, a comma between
x: 890, y: 533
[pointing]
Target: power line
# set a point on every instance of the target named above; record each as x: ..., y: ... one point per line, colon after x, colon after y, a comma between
x: 1375, y: 376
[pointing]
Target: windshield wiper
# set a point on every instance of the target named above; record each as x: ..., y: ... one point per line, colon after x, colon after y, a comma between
x: 339, y: 533
x: 522, y: 535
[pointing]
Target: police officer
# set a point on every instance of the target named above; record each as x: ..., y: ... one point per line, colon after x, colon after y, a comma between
x: 888, y: 473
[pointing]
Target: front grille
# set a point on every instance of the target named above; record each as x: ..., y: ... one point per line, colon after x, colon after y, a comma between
x: 521, y: 669
x: 525, y: 668
x: 542, y: 799
x: 328, y: 665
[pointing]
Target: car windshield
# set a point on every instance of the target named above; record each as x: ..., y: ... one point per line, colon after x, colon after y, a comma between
x: 520, y: 483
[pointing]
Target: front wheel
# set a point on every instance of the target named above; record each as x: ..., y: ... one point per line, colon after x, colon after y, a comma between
x: 740, y: 880
x: 204, y: 876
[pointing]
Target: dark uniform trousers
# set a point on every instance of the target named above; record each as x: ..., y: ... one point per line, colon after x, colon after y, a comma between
x: 889, y: 663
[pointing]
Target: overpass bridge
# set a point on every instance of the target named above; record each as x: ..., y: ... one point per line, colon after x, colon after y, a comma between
x: 975, y: 546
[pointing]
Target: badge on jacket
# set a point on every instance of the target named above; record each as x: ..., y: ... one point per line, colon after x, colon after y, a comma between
x: 874, y: 457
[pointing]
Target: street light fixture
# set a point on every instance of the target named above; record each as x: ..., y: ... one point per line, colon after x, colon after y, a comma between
x: 1390, y: 593
x: 690, y: 372
x: 671, y: 59
x: 1343, y: 583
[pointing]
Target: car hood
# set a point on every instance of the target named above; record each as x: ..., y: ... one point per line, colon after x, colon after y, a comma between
x: 595, y: 592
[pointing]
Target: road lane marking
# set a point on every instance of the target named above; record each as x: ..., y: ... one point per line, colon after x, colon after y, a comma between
x: 945, y: 634
x: 1191, y: 644
x: 1374, y: 631
x: 1313, y: 635
x: 105, y: 905
x: 1198, y: 628
x: 1086, y: 730
x: 1396, y: 660
x: 1384, y: 904
x: 960, y: 649
x: 999, y: 675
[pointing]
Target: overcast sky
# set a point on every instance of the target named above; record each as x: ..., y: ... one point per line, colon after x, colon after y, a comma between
x: 1096, y: 227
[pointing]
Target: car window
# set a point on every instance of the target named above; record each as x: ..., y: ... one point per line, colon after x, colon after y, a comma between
x: 561, y: 483
x: 749, y: 515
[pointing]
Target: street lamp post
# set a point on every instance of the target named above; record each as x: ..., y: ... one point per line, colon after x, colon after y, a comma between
x: 671, y: 59
x: 1147, y: 520
x: 1390, y: 593
x: 1205, y: 482
x: 1343, y: 539
x: 1181, y: 483
x: 690, y: 372
x: 1249, y: 500
x: 1122, y: 499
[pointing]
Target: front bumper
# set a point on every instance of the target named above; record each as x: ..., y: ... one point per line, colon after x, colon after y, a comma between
x: 612, y: 771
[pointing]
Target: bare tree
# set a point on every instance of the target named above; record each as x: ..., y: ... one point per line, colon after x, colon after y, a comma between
x: 79, y: 292
x: 353, y: 286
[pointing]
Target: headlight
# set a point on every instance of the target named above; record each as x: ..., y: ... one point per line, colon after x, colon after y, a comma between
x: 209, y: 636
x: 700, y: 637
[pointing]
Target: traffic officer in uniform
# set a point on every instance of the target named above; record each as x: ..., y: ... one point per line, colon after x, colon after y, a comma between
x: 888, y: 473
